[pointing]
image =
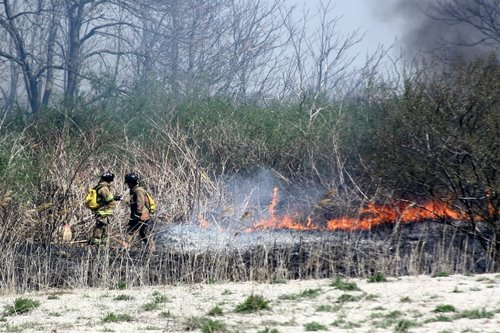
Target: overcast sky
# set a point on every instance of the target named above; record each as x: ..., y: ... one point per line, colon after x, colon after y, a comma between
x: 367, y: 15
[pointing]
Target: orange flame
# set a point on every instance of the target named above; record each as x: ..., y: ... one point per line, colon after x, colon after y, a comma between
x: 369, y: 216
x: 373, y: 215
x: 283, y: 222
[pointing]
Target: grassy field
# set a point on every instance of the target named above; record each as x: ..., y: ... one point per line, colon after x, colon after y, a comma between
x: 423, y: 303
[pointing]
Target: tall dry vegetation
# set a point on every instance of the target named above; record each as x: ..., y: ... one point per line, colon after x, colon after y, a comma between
x: 434, y: 137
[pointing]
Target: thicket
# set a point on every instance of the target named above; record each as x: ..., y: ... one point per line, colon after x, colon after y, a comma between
x: 433, y: 133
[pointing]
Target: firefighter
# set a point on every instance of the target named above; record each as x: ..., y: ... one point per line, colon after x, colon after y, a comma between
x: 106, y: 200
x: 140, y: 214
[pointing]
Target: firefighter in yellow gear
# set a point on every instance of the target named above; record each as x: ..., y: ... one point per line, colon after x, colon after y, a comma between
x: 106, y: 200
x: 140, y: 213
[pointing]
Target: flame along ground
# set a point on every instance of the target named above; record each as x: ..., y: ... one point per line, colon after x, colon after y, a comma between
x: 368, y: 216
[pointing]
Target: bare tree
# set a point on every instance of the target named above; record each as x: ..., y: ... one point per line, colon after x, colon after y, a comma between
x: 480, y: 16
x: 320, y: 59
x: 91, y: 28
x: 236, y: 48
x: 26, y: 25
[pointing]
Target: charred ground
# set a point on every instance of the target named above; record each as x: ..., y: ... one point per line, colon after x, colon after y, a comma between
x: 188, y: 255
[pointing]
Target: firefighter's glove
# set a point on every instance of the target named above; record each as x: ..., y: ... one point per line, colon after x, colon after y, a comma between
x: 117, y: 197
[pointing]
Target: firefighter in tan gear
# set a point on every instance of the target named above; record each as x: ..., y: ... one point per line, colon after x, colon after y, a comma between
x: 106, y: 201
x: 140, y: 214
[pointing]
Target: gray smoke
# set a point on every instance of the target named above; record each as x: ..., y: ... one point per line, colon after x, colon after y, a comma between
x: 224, y: 220
x: 244, y: 200
x: 424, y: 30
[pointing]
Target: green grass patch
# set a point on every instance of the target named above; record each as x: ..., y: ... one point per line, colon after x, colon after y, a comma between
x: 440, y: 274
x: 114, y: 318
x: 151, y: 306
x: 121, y: 285
x: 308, y: 293
x: 371, y: 297
x: 123, y: 297
x: 348, y: 298
x: 344, y: 324
x: 327, y: 308
x: 21, y: 305
x: 314, y: 326
x: 253, y: 303
x: 227, y: 292
x: 440, y: 317
x: 387, y: 319
x: 377, y: 278
x: 165, y: 314
x: 444, y: 308
x: 194, y: 323
x: 268, y: 330
x: 215, y: 311
x: 159, y: 298
x: 340, y: 284
x: 403, y: 325
x: 213, y: 326
x: 475, y: 314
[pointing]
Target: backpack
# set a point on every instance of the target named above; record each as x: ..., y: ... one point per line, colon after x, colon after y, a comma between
x: 150, y: 204
x: 91, y: 199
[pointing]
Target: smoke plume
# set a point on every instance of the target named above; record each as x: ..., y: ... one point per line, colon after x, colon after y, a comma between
x: 427, y: 29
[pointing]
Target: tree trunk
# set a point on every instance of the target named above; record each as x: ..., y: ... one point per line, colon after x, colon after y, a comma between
x: 75, y: 13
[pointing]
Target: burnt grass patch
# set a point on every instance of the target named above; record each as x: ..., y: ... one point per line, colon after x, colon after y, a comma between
x: 392, y: 250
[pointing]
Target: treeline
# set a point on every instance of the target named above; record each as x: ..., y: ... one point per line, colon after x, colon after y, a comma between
x: 83, y: 52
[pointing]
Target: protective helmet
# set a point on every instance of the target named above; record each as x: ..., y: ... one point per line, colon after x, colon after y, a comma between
x: 131, y: 178
x: 107, y: 176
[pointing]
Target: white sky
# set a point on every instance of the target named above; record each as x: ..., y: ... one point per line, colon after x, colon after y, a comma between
x: 363, y: 14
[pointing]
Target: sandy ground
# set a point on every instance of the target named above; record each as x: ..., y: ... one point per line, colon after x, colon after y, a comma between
x: 453, y: 303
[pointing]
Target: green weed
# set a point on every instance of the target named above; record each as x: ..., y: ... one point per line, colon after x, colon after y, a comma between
x: 113, y: 318
x: 123, y: 297
x: 340, y: 284
x: 348, y: 298
x: 215, y: 311
x: 253, y: 303
x: 327, y: 308
x: 314, y: 326
x: 475, y: 314
x: 377, y: 277
x: 213, y: 326
x: 444, y: 308
x: 21, y: 305
x: 403, y: 325
x: 268, y: 330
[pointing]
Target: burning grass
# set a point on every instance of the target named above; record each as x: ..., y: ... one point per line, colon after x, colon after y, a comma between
x: 394, y: 250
